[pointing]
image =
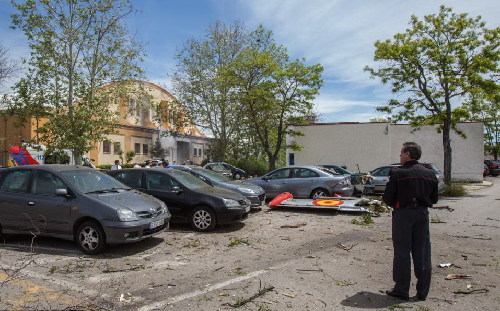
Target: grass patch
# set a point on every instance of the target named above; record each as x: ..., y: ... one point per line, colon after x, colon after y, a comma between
x: 454, y: 190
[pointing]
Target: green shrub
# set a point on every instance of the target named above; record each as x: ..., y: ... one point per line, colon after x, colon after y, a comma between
x: 454, y: 190
x: 252, y: 166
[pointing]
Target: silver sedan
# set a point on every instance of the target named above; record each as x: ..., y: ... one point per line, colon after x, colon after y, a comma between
x: 304, y: 182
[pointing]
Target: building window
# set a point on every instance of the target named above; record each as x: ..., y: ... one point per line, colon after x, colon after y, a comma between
x: 195, y: 152
x: 131, y: 105
x: 116, y: 148
x: 137, y: 148
x: 145, y: 148
x: 200, y: 153
x: 106, y: 147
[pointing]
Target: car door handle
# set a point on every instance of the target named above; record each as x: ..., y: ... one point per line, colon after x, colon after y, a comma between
x: 31, y: 203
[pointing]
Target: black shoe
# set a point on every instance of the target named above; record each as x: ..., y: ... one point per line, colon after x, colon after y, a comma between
x: 421, y: 298
x: 397, y: 295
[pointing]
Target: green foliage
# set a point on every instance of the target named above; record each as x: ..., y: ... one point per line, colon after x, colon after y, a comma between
x: 364, y: 220
x: 454, y: 190
x: 237, y: 241
x: 129, y: 156
x: 252, y: 166
x: 244, y: 90
x: 76, y: 47
x: 438, y: 61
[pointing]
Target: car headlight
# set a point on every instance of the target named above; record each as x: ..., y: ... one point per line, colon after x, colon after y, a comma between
x: 126, y: 215
x: 247, y: 190
x: 231, y: 203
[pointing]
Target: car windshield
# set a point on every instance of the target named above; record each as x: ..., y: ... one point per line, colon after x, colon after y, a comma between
x: 92, y: 181
x: 188, y: 180
x: 212, y: 175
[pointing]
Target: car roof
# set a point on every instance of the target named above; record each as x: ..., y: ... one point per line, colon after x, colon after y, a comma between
x: 54, y: 167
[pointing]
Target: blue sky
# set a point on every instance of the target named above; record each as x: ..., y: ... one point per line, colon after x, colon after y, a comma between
x: 338, y: 34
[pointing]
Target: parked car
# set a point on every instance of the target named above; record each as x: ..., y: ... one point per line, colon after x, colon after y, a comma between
x: 494, y: 167
x: 255, y: 194
x: 486, y: 170
x: 77, y: 203
x: 380, y: 177
x: 226, y: 169
x: 304, y: 182
x: 189, y: 199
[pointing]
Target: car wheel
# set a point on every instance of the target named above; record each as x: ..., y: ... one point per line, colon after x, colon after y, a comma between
x: 90, y: 238
x: 319, y: 193
x: 237, y: 176
x: 203, y: 219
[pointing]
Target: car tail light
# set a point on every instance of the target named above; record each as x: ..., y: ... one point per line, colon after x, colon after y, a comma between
x: 494, y: 165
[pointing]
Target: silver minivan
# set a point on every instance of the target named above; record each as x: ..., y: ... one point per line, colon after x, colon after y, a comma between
x: 77, y: 203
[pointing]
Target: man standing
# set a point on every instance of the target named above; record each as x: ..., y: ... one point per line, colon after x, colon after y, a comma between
x: 411, y: 190
x: 117, y: 166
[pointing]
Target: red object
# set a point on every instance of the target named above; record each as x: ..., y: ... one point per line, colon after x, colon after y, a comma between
x: 336, y: 195
x: 280, y: 198
x: 328, y: 202
x: 14, y: 149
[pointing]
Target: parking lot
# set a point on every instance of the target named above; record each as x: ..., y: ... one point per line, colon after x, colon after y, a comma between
x: 274, y: 260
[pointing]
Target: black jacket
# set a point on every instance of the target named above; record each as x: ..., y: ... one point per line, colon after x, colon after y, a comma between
x: 411, y: 183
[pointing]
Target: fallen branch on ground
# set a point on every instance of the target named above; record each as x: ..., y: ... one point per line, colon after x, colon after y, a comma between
x: 135, y: 268
x: 247, y: 300
x: 446, y: 207
x: 298, y: 225
x: 345, y: 247
x: 472, y: 291
x: 470, y: 237
x: 457, y: 276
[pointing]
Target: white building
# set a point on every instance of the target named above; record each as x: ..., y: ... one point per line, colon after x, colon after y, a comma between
x: 366, y: 146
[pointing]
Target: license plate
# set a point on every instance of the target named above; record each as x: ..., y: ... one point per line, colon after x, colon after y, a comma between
x: 155, y: 224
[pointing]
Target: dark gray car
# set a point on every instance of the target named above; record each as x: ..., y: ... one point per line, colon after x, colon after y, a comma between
x: 77, y: 203
x: 304, y: 182
x: 254, y: 193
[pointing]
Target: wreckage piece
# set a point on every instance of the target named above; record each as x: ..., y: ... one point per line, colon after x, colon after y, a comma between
x: 342, y: 204
x: 457, y: 276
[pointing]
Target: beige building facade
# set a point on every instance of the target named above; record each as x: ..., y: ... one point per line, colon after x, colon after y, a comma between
x: 138, y: 129
x: 366, y: 146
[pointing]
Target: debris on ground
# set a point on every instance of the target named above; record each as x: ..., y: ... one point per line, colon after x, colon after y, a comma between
x: 376, y: 206
x: 288, y: 295
x: 126, y: 297
x: 445, y: 265
x: 297, y: 225
x: 454, y: 276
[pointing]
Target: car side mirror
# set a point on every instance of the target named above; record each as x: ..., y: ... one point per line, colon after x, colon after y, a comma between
x: 266, y: 178
x: 176, y: 189
x: 62, y: 192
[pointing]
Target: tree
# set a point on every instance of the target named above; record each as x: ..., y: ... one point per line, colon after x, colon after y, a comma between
x: 76, y: 48
x: 273, y: 91
x: 202, y: 86
x: 8, y: 67
x: 158, y: 152
x: 437, y: 61
x: 485, y: 107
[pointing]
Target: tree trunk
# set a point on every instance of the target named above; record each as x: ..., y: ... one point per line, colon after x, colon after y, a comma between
x: 447, y: 151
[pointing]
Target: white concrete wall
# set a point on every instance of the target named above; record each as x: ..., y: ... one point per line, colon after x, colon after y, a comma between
x: 370, y: 145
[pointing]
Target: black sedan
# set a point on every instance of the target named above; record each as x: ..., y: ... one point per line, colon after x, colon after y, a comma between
x: 226, y: 169
x: 188, y: 198
x: 77, y: 203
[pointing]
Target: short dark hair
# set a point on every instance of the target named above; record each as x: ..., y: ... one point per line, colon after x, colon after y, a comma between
x: 413, y: 149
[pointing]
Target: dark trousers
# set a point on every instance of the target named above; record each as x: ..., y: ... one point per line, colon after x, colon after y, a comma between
x: 410, y: 235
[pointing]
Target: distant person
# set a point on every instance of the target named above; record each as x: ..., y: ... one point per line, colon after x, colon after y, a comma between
x: 154, y: 164
x: 165, y: 164
x: 148, y: 164
x: 136, y: 165
x: 411, y: 190
x: 117, y: 166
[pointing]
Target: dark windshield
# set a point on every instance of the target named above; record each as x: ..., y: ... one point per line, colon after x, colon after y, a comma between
x: 212, y: 175
x: 188, y: 180
x: 92, y: 181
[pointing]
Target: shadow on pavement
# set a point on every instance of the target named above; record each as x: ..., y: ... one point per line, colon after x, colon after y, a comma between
x: 369, y: 300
